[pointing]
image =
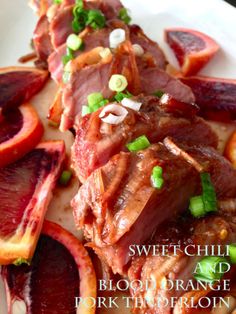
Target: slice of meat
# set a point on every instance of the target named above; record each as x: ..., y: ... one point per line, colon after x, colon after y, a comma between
x: 25, y: 191
x: 183, y: 233
x: 96, y: 142
x: 19, y: 84
x: 59, y: 272
x: 100, y: 37
x: 110, y: 8
x: 213, y: 94
x: 150, y: 47
x: 61, y: 24
x: 42, y: 40
x: 154, y: 79
x: 91, y: 39
x: 117, y: 205
x: 97, y: 75
x: 222, y: 172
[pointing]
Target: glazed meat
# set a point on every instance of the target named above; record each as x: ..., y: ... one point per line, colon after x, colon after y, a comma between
x: 61, y: 24
x: 218, y: 230
x: 154, y: 79
x: 96, y: 142
x: 152, y: 52
x: 100, y: 38
x: 117, y: 205
x: 42, y: 40
x: 97, y: 74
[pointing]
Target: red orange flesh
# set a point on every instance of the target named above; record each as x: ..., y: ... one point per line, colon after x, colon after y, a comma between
x: 192, y: 49
x: 25, y: 191
x: 15, y: 145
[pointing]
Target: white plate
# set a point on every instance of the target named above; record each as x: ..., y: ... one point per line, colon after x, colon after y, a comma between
x: 214, y: 17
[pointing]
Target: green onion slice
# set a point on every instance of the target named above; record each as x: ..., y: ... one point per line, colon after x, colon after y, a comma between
x: 83, y: 18
x: 74, y: 42
x: 96, y: 101
x: 65, y: 177
x: 57, y: 1
x: 207, y: 202
x: 20, y: 261
x: 124, y: 16
x: 196, y: 206
x: 209, y: 194
x: 69, y: 56
x: 118, y: 83
x: 157, y: 182
x: 85, y: 110
x: 80, y: 18
x: 157, y: 171
x: 232, y: 253
x: 96, y: 19
x: 156, y: 177
x: 139, y: 143
x: 79, y: 3
x: 66, y: 77
x: 209, y: 268
x: 120, y: 96
x: 94, y: 98
x: 159, y: 93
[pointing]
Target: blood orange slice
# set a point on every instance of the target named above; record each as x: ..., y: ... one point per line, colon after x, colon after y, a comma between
x: 60, y: 271
x: 25, y: 191
x: 19, y: 84
x: 192, y: 49
x: 20, y: 131
x: 230, y: 149
x: 213, y: 94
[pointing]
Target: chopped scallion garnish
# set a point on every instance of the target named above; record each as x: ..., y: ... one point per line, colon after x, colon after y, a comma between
x: 120, y: 96
x: 19, y: 261
x: 69, y: 56
x: 156, y: 177
x: 196, y: 206
x: 157, y: 171
x: 94, y: 98
x: 57, y: 1
x: 96, y: 19
x: 139, y: 143
x: 157, y: 182
x: 65, y: 177
x: 79, y: 3
x: 211, y: 268
x: 96, y: 101
x: 124, y: 16
x: 118, y: 83
x: 80, y: 18
x: 232, y: 253
x: 209, y: 194
x: 66, y: 77
x: 83, y: 18
x: 206, y: 202
x: 85, y: 110
x: 74, y: 42
x: 159, y: 93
